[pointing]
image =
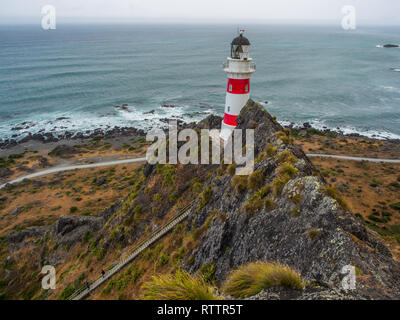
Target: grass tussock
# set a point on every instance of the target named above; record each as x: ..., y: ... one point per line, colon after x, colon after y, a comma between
x: 286, y: 156
x: 331, y: 192
x: 288, y: 169
x: 256, y: 180
x: 269, y: 204
x: 253, y: 205
x: 285, y: 138
x: 180, y: 286
x: 270, y: 149
x: 232, y: 169
x: 239, y: 183
x: 313, y: 234
x: 252, y: 278
x: 278, y: 184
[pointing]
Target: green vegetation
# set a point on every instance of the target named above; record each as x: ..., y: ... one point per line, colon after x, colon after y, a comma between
x: 205, y: 196
x: 270, y: 149
x: 207, y: 271
x: 313, y: 234
x: 73, y: 209
x: 286, y: 156
x: 256, y: 180
x: 181, y: 286
x: 269, y: 204
x: 252, y: 278
x: 132, y: 275
x: 285, y: 138
x: 66, y: 293
x: 253, y: 205
x: 167, y: 171
x: 232, y: 168
x: 279, y: 183
x: 395, y: 206
x: 239, y: 183
x: 331, y: 192
x: 287, y: 169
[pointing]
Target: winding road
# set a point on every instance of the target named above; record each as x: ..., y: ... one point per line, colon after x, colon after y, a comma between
x: 137, y: 160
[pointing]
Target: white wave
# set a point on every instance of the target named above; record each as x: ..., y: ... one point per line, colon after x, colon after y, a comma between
x: 321, y: 125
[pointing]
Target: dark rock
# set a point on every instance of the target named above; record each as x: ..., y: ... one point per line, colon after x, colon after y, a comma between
x: 148, y: 169
x: 70, y: 230
x: 5, y: 172
x: 44, y: 162
x: 101, y: 180
x: 64, y: 151
x: 279, y: 235
x: 16, y: 237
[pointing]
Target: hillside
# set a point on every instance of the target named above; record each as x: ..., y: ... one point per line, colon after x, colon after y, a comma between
x: 284, y: 212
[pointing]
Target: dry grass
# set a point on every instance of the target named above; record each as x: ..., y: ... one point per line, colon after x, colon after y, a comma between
x: 180, y: 286
x: 252, y: 278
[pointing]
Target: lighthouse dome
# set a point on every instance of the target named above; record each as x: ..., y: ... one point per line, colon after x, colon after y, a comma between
x: 240, y: 41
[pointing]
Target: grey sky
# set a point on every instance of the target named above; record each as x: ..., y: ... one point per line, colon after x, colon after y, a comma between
x: 232, y: 11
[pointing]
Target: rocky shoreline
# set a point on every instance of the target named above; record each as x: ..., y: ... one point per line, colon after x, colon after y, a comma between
x: 115, y: 132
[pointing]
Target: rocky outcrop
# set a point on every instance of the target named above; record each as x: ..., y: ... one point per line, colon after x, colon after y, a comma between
x: 64, y: 151
x: 5, y: 172
x: 302, y: 226
x: 69, y: 230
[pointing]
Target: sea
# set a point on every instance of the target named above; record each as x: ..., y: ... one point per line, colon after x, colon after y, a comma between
x: 75, y: 77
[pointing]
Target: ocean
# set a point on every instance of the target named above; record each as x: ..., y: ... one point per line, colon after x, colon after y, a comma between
x: 71, y: 78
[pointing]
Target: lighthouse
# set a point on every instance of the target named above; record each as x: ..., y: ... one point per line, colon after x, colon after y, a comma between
x: 238, y: 68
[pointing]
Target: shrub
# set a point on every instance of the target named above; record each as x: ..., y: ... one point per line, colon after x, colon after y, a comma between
x: 256, y: 180
x: 296, y: 212
x: 253, y: 205
x: 285, y: 138
x: 181, y: 286
x: 262, y: 156
x: 263, y: 191
x: 252, y: 278
x: 313, y: 234
x: 73, y: 209
x: 288, y: 169
x: 331, y: 191
x: 395, y: 206
x: 240, y: 183
x: 207, y: 271
x: 232, y: 168
x: 279, y: 183
x: 270, y: 149
x: 269, y: 204
x: 164, y: 259
x: 66, y: 293
x: 286, y: 156
x: 398, y: 178
x: 137, y: 212
x: 205, y: 196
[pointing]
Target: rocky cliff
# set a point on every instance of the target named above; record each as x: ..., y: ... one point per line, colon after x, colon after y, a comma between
x: 285, y: 212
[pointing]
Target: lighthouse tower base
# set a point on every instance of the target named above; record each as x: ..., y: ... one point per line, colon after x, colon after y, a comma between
x: 226, y: 131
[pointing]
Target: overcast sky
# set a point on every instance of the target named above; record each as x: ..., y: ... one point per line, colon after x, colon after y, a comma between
x: 231, y: 11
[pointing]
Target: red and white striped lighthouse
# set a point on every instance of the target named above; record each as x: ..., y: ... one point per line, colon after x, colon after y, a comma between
x: 239, y: 68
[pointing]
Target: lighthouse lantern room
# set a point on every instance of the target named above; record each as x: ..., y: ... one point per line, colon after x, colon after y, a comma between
x: 238, y: 68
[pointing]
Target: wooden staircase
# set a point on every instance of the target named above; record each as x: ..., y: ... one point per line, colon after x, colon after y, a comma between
x: 133, y: 253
